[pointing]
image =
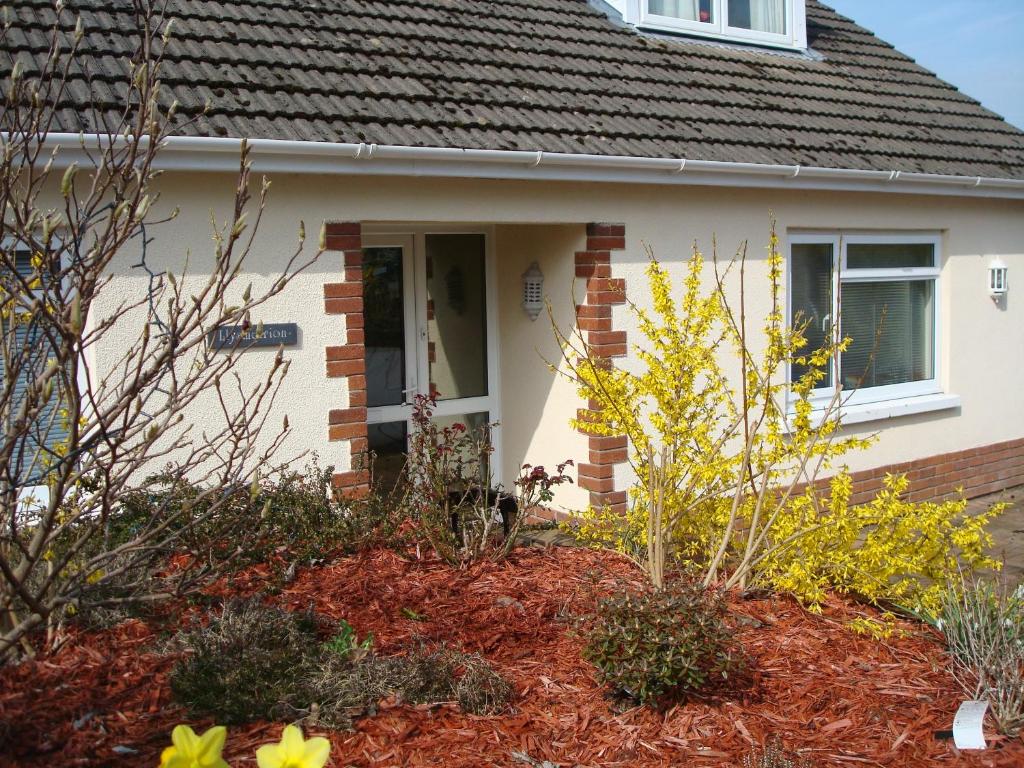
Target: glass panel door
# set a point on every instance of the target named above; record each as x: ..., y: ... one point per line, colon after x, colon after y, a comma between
x: 429, y: 329
x: 456, y: 316
x: 389, y: 323
x: 389, y: 333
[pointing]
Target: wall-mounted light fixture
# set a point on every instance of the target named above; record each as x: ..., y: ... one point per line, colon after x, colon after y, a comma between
x: 997, y: 279
x: 533, y: 291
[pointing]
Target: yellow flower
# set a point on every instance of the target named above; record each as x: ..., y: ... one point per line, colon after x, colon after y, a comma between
x: 293, y: 751
x: 191, y: 751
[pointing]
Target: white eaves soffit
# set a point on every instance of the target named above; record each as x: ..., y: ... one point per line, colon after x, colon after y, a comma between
x: 277, y: 156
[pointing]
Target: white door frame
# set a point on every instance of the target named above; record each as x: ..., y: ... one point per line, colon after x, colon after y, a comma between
x: 412, y: 240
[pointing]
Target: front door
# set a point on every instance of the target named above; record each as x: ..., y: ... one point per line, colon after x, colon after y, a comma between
x: 428, y: 301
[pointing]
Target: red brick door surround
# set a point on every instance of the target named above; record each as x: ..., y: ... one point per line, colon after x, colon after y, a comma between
x: 595, y: 322
x: 348, y: 361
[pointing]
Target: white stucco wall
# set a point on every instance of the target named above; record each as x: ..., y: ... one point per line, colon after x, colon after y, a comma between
x: 983, y: 345
x: 536, y: 404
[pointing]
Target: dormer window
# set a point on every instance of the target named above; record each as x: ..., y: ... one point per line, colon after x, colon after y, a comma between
x: 769, y: 22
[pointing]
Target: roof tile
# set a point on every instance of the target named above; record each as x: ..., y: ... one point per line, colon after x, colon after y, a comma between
x: 552, y: 75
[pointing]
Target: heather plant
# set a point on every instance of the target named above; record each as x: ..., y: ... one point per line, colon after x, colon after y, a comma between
x: 664, y: 644
x: 478, y: 688
x: 346, y: 688
x: 250, y: 661
x: 243, y: 663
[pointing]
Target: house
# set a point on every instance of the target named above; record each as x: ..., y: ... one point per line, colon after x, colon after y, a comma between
x: 451, y: 147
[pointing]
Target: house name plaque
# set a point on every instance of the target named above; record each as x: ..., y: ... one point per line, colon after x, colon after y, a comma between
x: 271, y: 335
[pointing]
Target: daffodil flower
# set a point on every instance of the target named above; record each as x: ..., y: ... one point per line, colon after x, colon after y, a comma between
x: 293, y: 751
x: 191, y: 751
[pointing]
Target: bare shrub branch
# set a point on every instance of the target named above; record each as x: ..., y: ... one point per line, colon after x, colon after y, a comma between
x: 88, y: 433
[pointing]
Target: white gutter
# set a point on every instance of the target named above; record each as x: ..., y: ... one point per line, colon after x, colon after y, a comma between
x: 272, y: 155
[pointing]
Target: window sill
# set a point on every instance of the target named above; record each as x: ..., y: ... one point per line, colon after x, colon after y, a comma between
x: 861, y: 413
x: 765, y: 40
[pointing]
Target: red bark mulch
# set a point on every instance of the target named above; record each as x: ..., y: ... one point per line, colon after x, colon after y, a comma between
x: 834, y: 697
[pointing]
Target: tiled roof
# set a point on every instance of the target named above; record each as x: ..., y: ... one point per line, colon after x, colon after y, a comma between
x: 553, y: 75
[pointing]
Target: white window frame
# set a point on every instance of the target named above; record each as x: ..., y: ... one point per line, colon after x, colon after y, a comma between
x: 841, y: 274
x: 795, y: 35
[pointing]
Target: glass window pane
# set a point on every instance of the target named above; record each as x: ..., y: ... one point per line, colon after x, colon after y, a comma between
x: 25, y: 340
x: 457, y: 315
x: 688, y: 10
x: 384, y: 317
x: 889, y: 255
x: 811, y: 299
x: 387, y: 445
x: 892, y: 325
x: 758, y: 15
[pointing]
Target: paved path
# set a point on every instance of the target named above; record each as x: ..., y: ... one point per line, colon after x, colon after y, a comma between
x: 1007, y: 530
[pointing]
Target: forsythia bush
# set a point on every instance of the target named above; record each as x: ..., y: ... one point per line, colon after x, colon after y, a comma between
x: 715, y: 455
x: 727, y: 466
x: 887, y: 551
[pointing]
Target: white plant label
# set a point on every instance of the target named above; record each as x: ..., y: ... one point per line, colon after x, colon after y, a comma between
x: 968, y: 725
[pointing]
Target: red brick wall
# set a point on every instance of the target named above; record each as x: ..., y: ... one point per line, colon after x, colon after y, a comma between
x: 594, y: 319
x: 348, y: 360
x: 978, y: 471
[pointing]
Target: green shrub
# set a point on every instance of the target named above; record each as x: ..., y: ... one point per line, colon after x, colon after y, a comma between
x: 290, y: 514
x: 984, y: 630
x: 371, y: 522
x: 286, y: 520
x: 293, y: 515
x: 664, y: 644
x: 297, y: 513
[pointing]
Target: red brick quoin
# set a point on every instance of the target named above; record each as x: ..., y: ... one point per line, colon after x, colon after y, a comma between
x: 594, y: 319
x: 348, y: 360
